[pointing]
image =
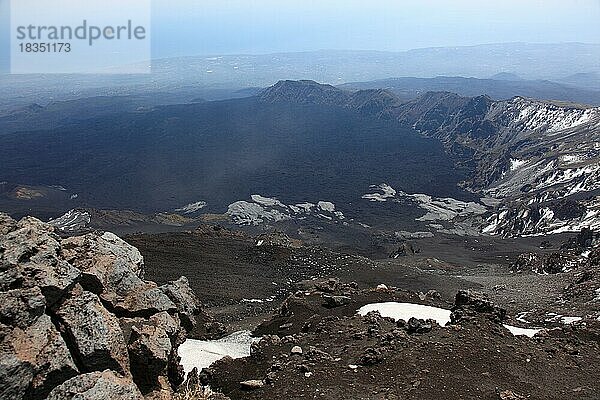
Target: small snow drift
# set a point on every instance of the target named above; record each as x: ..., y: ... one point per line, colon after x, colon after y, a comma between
x: 516, y: 331
x: 192, y: 207
x: 72, y: 221
x: 266, y: 209
x: 202, y: 353
x: 406, y: 311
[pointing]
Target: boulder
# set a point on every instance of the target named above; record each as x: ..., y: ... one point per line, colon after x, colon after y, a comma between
x: 7, y: 224
x: 41, y: 347
x: 112, y: 269
x: 87, y: 250
x: 188, y: 306
x: 31, y: 258
x: 470, y: 301
x: 416, y: 325
x: 329, y: 285
x: 153, y: 351
x: 105, y: 385
x: 95, y: 333
x: 371, y: 356
x: 336, y: 301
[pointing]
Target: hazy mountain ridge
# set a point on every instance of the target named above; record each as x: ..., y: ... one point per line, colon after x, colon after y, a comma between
x: 575, y: 63
x: 376, y: 102
x: 499, y: 87
x: 524, y: 151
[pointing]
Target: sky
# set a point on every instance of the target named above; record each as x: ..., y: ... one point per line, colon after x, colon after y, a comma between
x: 215, y: 27
x: 220, y: 27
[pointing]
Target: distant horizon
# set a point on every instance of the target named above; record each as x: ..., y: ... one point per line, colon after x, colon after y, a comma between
x: 271, y: 26
x: 350, y: 50
x: 213, y: 28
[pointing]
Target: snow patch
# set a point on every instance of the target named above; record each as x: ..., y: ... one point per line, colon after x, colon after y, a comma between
x: 437, y: 209
x: 516, y: 164
x: 516, y: 331
x: 245, y: 213
x: 268, y: 209
x: 326, y: 206
x: 406, y: 311
x: 202, y: 353
x: 73, y: 220
x: 192, y: 207
x: 267, y: 201
x: 387, y: 192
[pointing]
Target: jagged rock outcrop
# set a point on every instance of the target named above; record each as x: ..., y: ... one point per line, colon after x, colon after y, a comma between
x: 113, y: 269
x: 31, y: 258
x: 94, y: 332
x: 78, y: 320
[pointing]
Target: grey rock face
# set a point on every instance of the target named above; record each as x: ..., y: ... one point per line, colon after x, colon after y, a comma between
x: 94, y: 332
x: 15, y: 376
x: 31, y: 258
x: 113, y: 269
x: 104, y: 385
x: 152, y: 348
x: 42, y: 346
x: 7, y: 224
x: 33, y: 359
x: 181, y: 294
x: 21, y: 307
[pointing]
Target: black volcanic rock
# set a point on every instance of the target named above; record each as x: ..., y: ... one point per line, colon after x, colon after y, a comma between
x: 347, y: 356
x: 330, y: 143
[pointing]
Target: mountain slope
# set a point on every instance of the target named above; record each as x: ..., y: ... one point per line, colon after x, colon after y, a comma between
x: 527, y: 155
x: 500, y: 87
x: 221, y: 153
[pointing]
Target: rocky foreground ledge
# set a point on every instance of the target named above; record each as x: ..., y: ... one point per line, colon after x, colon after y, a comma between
x: 318, y: 346
x: 78, y: 320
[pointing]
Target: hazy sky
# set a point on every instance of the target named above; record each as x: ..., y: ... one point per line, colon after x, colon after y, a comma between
x: 214, y: 27
x: 187, y: 27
